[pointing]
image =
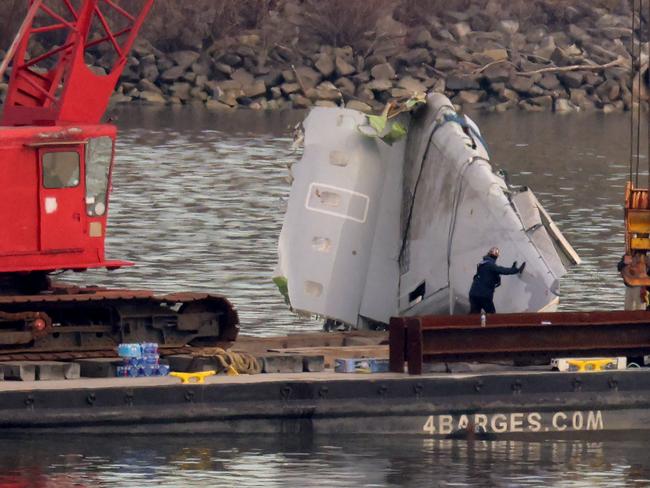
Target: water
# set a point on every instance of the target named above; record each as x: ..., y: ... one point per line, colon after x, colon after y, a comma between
x: 319, y: 462
x: 198, y: 202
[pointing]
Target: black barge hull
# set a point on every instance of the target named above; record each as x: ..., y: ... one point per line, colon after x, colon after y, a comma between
x: 494, y: 405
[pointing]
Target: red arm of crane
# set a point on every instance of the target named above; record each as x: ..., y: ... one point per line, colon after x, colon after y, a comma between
x: 57, y: 87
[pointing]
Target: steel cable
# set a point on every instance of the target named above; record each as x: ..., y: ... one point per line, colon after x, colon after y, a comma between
x: 632, y: 50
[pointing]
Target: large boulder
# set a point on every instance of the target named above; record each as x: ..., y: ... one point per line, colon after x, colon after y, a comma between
x: 497, y: 73
x: 549, y: 81
x: 416, y: 56
x: 325, y: 91
x: 290, y: 88
x: 325, y: 64
x: 462, y: 82
x: 184, y: 59
x: 308, y: 77
x: 469, y: 97
x: 521, y: 84
x: 299, y: 101
x: 380, y: 85
x: 572, y: 79
x: 344, y: 68
x: 460, y: 30
x: 145, y: 85
x: 346, y: 86
x: 231, y: 59
x: 242, y: 76
x: 509, y: 27
x: 358, y: 105
x: 153, y: 97
x: 383, y: 71
x: 181, y: 90
x: 255, y: 89
x: 562, y: 105
x: 412, y: 85
x: 173, y: 73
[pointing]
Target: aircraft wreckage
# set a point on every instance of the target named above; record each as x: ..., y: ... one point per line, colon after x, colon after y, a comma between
x: 379, y: 226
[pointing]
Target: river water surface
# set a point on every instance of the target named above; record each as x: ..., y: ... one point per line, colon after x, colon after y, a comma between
x: 198, y: 202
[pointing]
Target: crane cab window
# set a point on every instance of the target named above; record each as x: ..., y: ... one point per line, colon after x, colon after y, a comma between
x: 99, y: 153
x: 61, y: 169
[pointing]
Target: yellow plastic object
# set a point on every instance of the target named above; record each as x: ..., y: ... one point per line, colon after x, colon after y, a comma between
x: 586, y: 365
x: 231, y: 371
x: 193, y: 377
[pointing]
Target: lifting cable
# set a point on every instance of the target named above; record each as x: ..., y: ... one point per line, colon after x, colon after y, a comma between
x: 647, y: 23
x: 632, y: 75
x: 637, y: 79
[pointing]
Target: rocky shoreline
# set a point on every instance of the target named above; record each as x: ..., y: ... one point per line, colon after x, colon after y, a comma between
x: 476, y: 58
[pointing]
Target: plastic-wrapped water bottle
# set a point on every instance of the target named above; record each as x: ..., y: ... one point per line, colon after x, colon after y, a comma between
x: 135, y: 362
x: 133, y: 371
x: 162, y: 370
x: 129, y: 350
x: 149, y: 370
x: 149, y: 349
x: 140, y: 360
x: 151, y: 360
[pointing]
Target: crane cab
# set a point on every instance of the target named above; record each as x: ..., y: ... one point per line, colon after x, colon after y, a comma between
x: 54, y: 195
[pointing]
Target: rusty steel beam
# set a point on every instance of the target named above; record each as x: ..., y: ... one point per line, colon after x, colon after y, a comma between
x: 416, y: 340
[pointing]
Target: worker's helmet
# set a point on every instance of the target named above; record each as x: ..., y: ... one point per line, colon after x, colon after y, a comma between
x: 494, y: 252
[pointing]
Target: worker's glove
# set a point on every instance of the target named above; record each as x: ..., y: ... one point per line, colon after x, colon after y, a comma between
x: 521, y: 268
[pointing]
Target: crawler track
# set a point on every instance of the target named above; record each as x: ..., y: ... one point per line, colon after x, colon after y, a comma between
x: 85, y: 320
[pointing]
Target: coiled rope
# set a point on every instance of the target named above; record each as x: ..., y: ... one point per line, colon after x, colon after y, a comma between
x: 242, y: 362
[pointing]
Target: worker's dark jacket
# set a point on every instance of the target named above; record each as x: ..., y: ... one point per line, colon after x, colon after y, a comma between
x: 487, y: 277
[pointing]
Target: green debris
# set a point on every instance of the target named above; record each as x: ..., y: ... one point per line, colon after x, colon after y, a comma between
x: 382, y: 127
x: 283, y: 287
x: 378, y: 122
x: 414, y: 101
x: 397, y: 132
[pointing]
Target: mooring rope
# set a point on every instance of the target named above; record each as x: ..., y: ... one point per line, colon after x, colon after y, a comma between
x: 243, y: 362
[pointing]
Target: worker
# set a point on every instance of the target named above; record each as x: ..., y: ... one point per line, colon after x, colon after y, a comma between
x: 486, y: 279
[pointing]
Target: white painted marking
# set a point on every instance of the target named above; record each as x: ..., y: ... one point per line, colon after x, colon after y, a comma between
x: 51, y: 205
x: 315, y: 202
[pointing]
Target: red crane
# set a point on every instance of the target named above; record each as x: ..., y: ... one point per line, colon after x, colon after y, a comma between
x: 55, y: 211
x: 56, y: 161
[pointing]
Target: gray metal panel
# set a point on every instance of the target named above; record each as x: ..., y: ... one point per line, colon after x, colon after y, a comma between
x: 380, y: 295
x: 460, y: 211
x: 329, y: 230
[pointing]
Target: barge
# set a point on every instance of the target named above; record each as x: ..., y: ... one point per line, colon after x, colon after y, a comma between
x: 459, y: 399
x: 481, y: 404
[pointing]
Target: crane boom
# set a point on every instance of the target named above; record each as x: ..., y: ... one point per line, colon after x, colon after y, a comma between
x: 57, y: 87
